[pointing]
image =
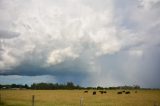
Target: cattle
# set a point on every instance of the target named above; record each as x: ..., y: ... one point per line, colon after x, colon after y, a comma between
x: 94, y: 92
x: 127, y: 92
x: 104, y: 92
x: 85, y: 91
x: 135, y: 91
x: 123, y: 91
x: 101, y: 92
x: 119, y: 92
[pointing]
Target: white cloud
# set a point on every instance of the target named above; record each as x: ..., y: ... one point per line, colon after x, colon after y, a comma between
x: 47, y: 28
x: 60, y: 55
x: 7, y: 61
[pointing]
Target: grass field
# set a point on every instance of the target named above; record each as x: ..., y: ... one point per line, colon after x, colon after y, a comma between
x: 72, y: 98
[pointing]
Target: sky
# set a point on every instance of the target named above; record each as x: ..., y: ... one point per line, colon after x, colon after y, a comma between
x: 88, y: 42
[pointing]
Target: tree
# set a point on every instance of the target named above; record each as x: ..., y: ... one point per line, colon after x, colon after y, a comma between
x: 26, y: 86
x: 70, y: 85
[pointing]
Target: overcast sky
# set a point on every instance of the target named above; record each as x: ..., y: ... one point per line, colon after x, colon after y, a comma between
x: 88, y: 42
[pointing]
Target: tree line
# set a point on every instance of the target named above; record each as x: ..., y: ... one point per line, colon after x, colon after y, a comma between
x: 41, y: 86
x: 55, y: 86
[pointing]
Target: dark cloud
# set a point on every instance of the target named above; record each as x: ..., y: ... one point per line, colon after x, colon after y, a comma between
x: 66, y: 69
x: 62, y: 73
x: 5, y: 34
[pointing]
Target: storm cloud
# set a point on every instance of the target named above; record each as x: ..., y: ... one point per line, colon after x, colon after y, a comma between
x: 100, y: 42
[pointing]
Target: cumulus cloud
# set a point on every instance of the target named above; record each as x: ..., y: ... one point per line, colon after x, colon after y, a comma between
x: 7, y: 62
x: 58, y: 56
x: 68, y: 39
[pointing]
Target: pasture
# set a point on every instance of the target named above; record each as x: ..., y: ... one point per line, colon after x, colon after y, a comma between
x: 74, y: 97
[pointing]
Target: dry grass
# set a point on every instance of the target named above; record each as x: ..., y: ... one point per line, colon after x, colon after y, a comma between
x: 72, y: 98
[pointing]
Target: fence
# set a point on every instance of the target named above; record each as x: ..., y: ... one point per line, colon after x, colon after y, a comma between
x: 33, y: 101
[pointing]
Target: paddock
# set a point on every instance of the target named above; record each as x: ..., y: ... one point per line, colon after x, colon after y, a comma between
x: 73, y: 98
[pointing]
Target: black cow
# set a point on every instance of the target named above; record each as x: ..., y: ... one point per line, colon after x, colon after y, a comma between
x: 104, y: 92
x: 94, y: 92
x: 85, y: 91
x: 101, y: 92
x: 119, y: 92
x: 127, y: 92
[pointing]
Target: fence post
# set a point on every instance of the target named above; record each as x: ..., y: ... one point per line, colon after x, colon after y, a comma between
x: 33, y: 100
x: 81, y: 101
x: 0, y: 99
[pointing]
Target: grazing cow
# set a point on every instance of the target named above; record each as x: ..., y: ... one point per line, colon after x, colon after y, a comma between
x: 135, y: 91
x: 104, y: 92
x: 101, y: 92
x: 85, y: 91
x: 123, y: 91
x: 119, y: 92
x: 94, y: 92
x: 127, y: 92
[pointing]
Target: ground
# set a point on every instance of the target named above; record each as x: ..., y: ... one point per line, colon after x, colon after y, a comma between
x: 74, y: 97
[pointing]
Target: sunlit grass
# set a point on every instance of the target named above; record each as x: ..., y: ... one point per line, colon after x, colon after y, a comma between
x: 72, y: 98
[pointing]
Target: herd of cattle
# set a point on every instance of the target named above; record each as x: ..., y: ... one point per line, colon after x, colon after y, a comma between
x: 104, y: 92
